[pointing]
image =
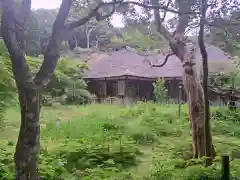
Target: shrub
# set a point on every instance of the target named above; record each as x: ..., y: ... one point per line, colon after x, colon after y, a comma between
x: 144, y: 137
x: 78, y: 97
x: 46, y: 100
x: 3, y: 48
x: 67, y: 75
x: 160, y: 91
x: 224, y: 114
x: 2, y: 111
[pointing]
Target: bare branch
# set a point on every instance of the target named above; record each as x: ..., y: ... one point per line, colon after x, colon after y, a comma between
x: 100, y: 18
x: 94, y: 13
x: 160, y: 28
x: 13, y: 40
x: 156, y: 7
x: 52, y: 52
x: 165, y: 12
x: 183, y: 18
x: 164, y: 62
x: 25, y: 10
x: 84, y: 20
x: 201, y: 37
x: 177, y: 43
x: 222, y: 24
x: 62, y: 14
x: 21, y: 21
x: 224, y: 91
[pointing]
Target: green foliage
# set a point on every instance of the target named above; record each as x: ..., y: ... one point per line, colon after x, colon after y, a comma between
x: 145, y: 141
x: 32, y: 46
x: 136, y: 39
x: 222, y: 114
x: 67, y: 76
x: 231, y: 119
x: 80, y: 159
x: 78, y: 97
x: 6, y: 164
x: 45, y: 19
x: 3, y: 48
x: 227, y: 37
x: 7, y: 84
x: 160, y: 91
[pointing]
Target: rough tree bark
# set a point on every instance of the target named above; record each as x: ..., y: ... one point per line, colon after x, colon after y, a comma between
x: 209, y: 149
x: 29, y: 87
x: 186, y: 52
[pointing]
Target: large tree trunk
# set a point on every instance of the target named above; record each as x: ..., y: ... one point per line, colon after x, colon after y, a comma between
x: 29, y: 136
x: 209, y: 149
x: 195, y: 97
x: 191, y: 78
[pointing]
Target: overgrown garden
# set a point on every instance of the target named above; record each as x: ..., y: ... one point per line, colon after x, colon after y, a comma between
x: 146, y: 141
x: 62, y: 134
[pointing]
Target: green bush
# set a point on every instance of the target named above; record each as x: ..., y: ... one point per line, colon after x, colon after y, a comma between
x: 2, y: 111
x: 78, y: 97
x: 3, y: 48
x: 6, y: 165
x: 67, y: 75
x: 160, y: 91
x: 46, y: 100
x: 144, y: 137
x: 224, y: 114
x: 76, y: 159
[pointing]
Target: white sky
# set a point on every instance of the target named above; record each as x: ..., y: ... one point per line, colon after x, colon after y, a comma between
x: 52, y: 4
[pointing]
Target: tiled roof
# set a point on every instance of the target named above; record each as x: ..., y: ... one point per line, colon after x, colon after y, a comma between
x: 127, y: 62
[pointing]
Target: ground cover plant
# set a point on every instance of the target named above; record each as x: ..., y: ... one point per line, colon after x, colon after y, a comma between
x: 146, y: 141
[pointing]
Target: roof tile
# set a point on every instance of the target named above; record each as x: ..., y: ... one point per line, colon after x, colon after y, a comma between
x: 126, y: 62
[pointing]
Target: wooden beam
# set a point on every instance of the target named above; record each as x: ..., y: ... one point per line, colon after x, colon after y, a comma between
x: 133, y: 78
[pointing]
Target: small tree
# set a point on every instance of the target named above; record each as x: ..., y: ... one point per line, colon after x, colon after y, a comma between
x: 160, y: 91
x: 29, y: 86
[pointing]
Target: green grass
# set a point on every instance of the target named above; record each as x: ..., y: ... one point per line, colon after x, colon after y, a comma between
x: 146, y: 141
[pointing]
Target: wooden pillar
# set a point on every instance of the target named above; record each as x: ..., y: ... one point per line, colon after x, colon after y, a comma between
x: 104, y: 86
x: 121, y: 88
x: 126, y: 90
x: 169, y: 90
x: 102, y: 89
x: 126, y: 86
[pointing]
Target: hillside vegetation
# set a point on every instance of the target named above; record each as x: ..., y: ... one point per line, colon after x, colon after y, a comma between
x: 145, y: 141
